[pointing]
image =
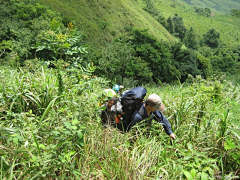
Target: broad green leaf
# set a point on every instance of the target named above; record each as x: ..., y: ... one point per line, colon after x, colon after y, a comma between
x: 193, y: 172
x: 75, y: 121
x: 188, y: 175
x: 34, y: 158
x: 188, y: 157
x: 103, y: 108
x: 68, y: 155
x: 15, y: 140
x: 74, y: 127
x: 67, y: 132
x: 229, y: 145
x: 204, y: 176
x: 68, y: 125
x: 42, y: 146
x: 189, y: 145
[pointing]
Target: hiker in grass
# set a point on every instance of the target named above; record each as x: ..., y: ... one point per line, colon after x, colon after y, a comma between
x: 151, y: 109
x: 110, y: 111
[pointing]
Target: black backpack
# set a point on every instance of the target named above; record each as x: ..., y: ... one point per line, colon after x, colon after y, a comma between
x: 131, y: 100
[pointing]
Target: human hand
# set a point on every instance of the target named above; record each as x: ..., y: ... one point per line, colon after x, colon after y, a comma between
x: 172, y: 136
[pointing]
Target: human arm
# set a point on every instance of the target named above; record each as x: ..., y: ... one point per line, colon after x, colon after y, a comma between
x: 135, y: 118
x: 166, y: 124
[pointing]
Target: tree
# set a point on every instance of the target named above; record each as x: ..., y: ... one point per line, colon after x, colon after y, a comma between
x: 5, y: 45
x: 118, y: 62
x: 204, y: 65
x: 156, y: 53
x: 21, y: 22
x: 150, y: 7
x: 179, y: 26
x: 191, y: 39
x: 170, y: 26
x: 225, y: 60
x: 235, y: 12
x: 203, y: 11
x: 185, y: 61
x: 212, y: 38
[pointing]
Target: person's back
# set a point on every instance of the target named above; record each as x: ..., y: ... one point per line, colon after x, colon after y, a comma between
x: 131, y: 100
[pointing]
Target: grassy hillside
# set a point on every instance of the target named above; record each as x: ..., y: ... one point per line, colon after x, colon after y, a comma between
x: 216, y: 5
x: 54, y: 132
x: 103, y: 20
x: 106, y: 19
x: 228, y: 26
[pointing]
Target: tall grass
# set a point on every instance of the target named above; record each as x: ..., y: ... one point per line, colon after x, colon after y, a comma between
x: 45, y: 134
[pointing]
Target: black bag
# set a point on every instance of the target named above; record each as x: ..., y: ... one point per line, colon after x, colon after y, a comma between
x: 131, y: 101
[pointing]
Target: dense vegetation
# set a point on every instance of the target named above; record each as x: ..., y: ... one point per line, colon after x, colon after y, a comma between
x: 51, y: 81
x: 50, y: 129
x: 30, y: 30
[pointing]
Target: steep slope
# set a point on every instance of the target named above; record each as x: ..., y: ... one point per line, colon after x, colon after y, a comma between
x: 228, y: 26
x: 102, y: 20
x: 216, y: 5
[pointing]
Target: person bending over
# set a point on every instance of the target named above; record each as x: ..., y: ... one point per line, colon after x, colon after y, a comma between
x: 151, y: 109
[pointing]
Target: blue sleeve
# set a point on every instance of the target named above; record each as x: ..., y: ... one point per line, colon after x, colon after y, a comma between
x: 135, y: 118
x: 159, y: 117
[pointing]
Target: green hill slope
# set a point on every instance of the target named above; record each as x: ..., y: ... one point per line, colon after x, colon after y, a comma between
x: 103, y: 20
x: 228, y: 26
x: 106, y: 19
x: 216, y: 5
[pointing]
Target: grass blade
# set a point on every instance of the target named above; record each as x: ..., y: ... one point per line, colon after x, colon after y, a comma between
x: 48, y: 109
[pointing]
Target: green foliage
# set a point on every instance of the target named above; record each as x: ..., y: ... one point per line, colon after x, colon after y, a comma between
x: 59, y: 43
x: 205, y: 65
x: 44, y: 136
x: 115, y: 60
x: 170, y: 25
x: 5, y: 45
x: 156, y: 53
x: 179, y: 27
x: 216, y: 5
x: 90, y: 14
x: 211, y: 38
x: 191, y: 40
x: 203, y: 11
x: 197, y: 164
x: 185, y: 61
x: 151, y: 60
x: 235, y: 12
x: 33, y: 26
x: 49, y: 123
x: 20, y: 23
x: 225, y: 60
x: 233, y: 154
x: 43, y: 133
